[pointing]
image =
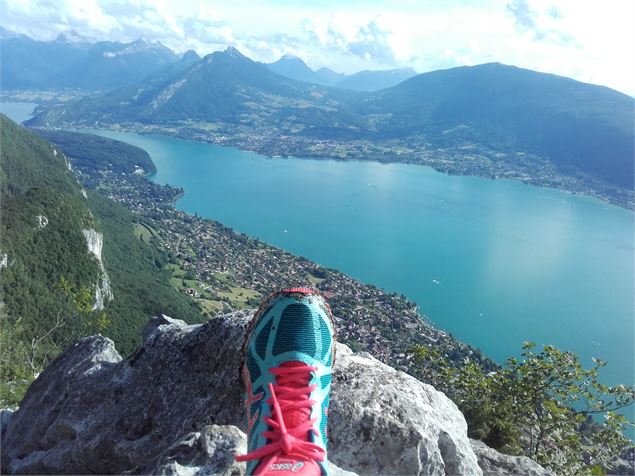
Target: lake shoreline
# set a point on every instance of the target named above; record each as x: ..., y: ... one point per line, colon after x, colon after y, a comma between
x: 580, y: 185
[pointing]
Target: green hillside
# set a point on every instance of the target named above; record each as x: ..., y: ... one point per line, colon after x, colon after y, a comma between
x: 140, y: 283
x: 48, y: 277
x: 90, y: 151
x: 28, y: 162
x: 43, y: 215
x: 513, y: 109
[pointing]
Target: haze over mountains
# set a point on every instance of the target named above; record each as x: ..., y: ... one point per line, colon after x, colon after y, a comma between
x: 73, y: 61
x: 506, y: 109
x: 78, y: 62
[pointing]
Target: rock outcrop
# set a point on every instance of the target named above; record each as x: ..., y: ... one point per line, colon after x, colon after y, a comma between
x: 493, y: 462
x: 175, y: 407
x: 388, y: 422
x: 41, y: 221
x: 4, y: 260
x: 206, y: 452
x: 103, y: 291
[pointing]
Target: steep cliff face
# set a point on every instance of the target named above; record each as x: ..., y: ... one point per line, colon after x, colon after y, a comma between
x: 43, y: 214
x: 103, y: 291
x: 175, y: 407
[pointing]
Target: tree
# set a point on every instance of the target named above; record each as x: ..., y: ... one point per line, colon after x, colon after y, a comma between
x: 542, y: 404
x: 15, y: 373
x: 25, y: 351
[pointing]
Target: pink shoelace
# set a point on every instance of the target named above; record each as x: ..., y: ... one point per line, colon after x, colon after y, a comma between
x: 291, y: 425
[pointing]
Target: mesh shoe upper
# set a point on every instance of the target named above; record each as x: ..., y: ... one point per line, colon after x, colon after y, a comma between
x: 292, y: 328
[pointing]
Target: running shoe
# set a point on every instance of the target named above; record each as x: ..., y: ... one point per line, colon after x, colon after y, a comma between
x: 288, y: 356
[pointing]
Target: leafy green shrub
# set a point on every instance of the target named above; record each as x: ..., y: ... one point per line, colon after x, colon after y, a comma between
x: 539, y: 405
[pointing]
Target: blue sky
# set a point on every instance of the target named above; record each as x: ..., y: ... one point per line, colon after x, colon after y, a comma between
x: 587, y: 40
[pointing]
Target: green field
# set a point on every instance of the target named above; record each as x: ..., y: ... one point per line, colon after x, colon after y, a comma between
x: 239, y: 297
x: 219, y: 296
x: 143, y: 231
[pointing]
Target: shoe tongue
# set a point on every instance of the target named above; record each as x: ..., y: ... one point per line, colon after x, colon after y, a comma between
x: 295, y: 417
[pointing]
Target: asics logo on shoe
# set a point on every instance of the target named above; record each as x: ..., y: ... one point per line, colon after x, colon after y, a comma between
x: 287, y: 467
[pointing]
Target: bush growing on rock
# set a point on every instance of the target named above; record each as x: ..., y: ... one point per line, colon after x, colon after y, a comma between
x: 539, y: 405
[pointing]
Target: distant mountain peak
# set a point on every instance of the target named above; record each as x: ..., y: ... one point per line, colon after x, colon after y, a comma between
x: 233, y: 52
x: 292, y: 59
x: 328, y: 76
x: 294, y: 67
x: 190, y: 55
x: 141, y: 45
x: 71, y: 36
x: 8, y: 34
x: 372, y: 80
x: 148, y: 42
x: 230, y: 54
x: 324, y: 69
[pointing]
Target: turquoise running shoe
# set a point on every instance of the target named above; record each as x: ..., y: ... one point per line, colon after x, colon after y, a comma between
x: 288, y: 358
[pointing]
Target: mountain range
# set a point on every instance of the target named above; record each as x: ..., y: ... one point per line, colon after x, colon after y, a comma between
x: 224, y: 86
x: 293, y: 67
x: 76, y: 62
x: 73, y: 61
x: 570, y: 123
x: 511, y: 111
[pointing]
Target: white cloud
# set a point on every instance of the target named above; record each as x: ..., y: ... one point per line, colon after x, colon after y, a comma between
x: 543, y: 24
x: 375, y: 41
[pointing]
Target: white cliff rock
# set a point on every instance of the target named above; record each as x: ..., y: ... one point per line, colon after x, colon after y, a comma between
x: 103, y: 291
x: 493, y: 462
x: 208, y: 452
x: 41, y: 221
x: 387, y: 422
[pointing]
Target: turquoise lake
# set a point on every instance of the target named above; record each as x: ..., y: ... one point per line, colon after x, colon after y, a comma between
x: 495, y: 263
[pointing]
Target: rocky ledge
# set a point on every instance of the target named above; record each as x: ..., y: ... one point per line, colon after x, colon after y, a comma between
x: 175, y: 407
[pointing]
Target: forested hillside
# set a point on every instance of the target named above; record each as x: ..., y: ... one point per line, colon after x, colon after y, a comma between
x: 573, y: 124
x: 95, y: 152
x: 50, y: 256
x: 141, y: 286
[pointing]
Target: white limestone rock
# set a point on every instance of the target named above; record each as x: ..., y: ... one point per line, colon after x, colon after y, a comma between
x: 384, y: 421
x: 208, y: 452
x: 41, y: 221
x: 175, y: 406
x: 493, y: 462
x: 103, y: 291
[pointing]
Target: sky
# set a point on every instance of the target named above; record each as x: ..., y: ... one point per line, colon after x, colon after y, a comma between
x: 588, y: 40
